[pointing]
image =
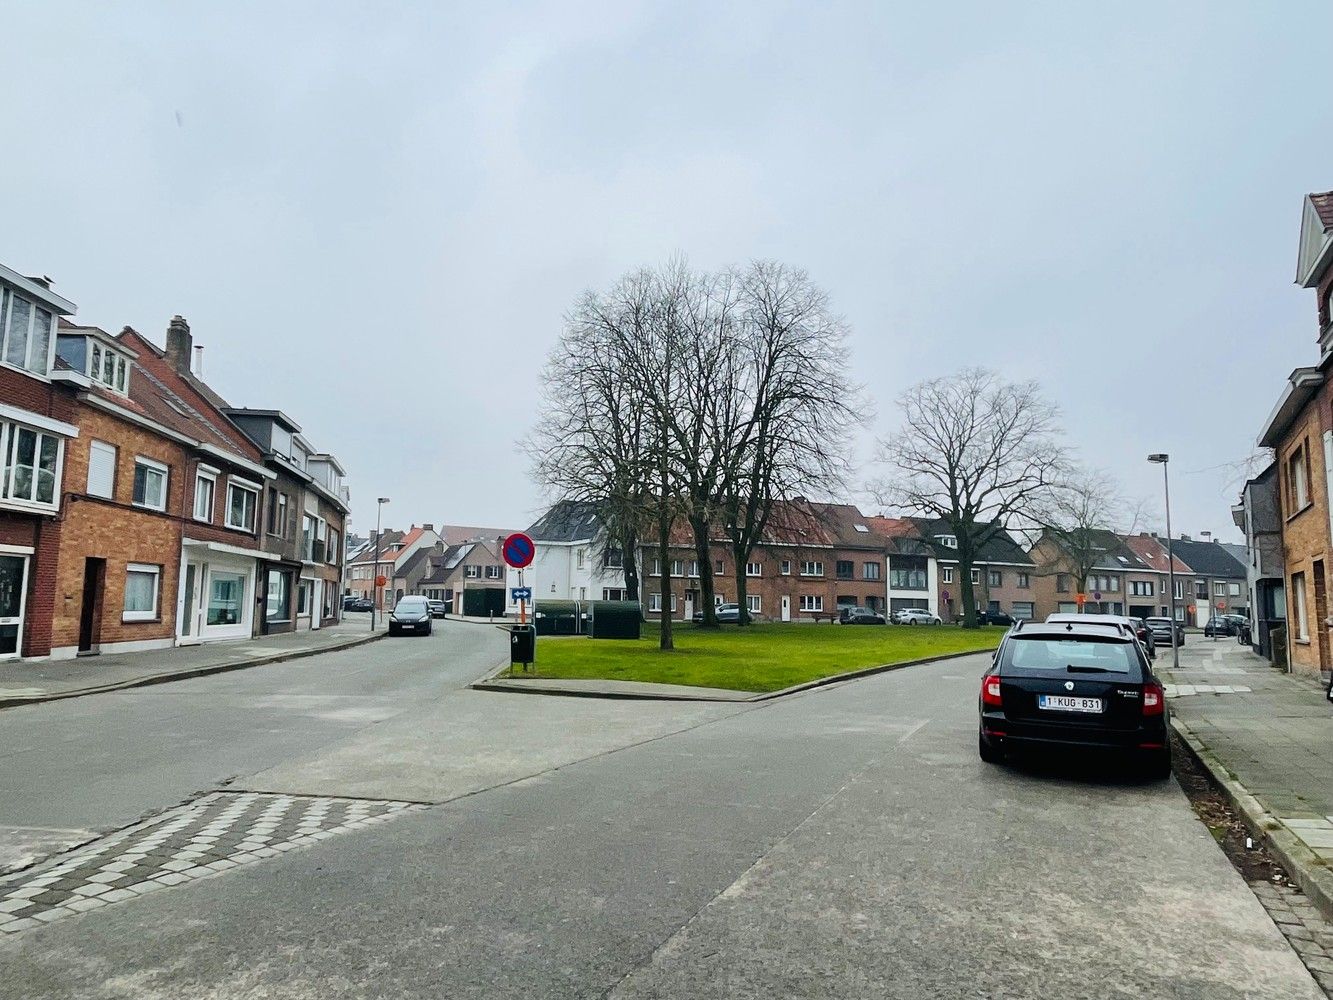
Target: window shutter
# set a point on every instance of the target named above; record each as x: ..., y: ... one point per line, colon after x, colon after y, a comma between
x: 101, y: 469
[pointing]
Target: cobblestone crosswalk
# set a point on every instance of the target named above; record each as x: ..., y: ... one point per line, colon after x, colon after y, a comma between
x: 213, y: 834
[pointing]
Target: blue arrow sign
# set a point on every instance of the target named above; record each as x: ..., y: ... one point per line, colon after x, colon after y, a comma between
x: 520, y: 593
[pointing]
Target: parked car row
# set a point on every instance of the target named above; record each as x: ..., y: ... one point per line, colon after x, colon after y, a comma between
x: 351, y: 603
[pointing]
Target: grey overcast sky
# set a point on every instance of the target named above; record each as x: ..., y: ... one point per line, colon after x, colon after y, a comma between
x: 374, y: 220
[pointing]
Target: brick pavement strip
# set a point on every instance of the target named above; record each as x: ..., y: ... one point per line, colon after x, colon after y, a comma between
x: 211, y: 835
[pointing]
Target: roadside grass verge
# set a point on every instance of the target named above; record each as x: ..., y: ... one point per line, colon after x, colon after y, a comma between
x: 758, y: 658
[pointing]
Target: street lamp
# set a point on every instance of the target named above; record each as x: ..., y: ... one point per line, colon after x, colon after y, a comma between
x: 1163, y: 459
x: 375, y: 566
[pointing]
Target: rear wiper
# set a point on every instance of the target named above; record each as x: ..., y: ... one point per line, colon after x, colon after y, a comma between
x: 1090, y: 670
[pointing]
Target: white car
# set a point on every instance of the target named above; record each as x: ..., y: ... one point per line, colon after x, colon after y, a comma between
x: 916, y: 616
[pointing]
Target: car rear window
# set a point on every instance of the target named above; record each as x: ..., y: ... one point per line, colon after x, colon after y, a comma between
x: 1033, y: 655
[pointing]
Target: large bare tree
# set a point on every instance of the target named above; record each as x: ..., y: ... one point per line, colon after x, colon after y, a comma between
x: 975, y: 452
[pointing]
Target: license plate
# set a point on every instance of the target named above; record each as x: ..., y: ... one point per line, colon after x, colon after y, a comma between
x: 1068, y: 703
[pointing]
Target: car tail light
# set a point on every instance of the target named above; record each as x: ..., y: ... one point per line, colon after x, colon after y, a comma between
x: 1153, y: 699
x: 990, y: 690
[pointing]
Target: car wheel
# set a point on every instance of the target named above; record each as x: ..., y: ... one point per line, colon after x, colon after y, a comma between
x: 988, y: 752
x: 1157, y: 765
x: 429, y: 630
x: 393, y: 630
x: 935, y: 621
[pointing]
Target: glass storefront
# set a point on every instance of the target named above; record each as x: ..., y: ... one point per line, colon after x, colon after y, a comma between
x: 278, y: 607
x: 226, y: 598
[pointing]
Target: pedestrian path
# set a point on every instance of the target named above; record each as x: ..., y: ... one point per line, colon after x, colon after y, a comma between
x: 1268, y: 738
x: 26, y: 682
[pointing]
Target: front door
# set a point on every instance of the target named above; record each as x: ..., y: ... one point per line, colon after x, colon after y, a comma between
x: 13, y: 584
x: 316, y: 602
x: 90, y: 613
x: 786, y: 608
x: 189, y: 623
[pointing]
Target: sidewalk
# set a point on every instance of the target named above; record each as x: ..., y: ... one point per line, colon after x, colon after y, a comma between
x: 48, y: 680
x: 1267, y: 738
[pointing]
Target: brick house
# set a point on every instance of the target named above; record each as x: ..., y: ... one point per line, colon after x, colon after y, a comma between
x: 37, y: 430
x: 914, y: 572
x: 305, y: 518
x: 1151, y: 551
x: 1218, y: 583
x: 160, y: 539
x: 384, y: 557
x: 446, y: 572
x: 1119, y: 583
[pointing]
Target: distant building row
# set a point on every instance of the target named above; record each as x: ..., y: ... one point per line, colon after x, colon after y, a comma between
x: 819, y: 557
x: 138, y: 509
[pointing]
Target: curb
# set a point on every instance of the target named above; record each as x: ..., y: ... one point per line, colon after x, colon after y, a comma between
x: 1309, y: 870
x: 515, y: 685
x: 185, y: 674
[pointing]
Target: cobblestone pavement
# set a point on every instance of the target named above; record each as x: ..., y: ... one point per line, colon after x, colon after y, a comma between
x: 1304, y: 927
x: 213, y: 834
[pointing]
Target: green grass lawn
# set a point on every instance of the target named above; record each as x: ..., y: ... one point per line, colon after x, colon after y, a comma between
x: 757, y: 658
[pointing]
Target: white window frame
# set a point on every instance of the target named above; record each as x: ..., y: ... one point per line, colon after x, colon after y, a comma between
x: 155, y: 572
x: 1233, y: 589
x: 812, y: 602
x: 208, y: 474
x: 255, y: 490
x: 1298, y: 607
x: 7, y: 432
x: 784, y: 567
x: 946, y: 574
x: 754, y: 603
x: 655, y: 602
x: 866, y: 568
x: 755, y: 569
x: 994, y: 578
x: 494, y: 573
x: 976, y: 577
x: 153, y: 465
x: 472, y: 572
x: 816, y: 563
x: 7, y: 296
x: 102, y: 447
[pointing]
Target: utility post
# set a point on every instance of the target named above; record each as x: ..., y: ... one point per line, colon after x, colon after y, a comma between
x: 375, y: 565
x: 1163, y: 460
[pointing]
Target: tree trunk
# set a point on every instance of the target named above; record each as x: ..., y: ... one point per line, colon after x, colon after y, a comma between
x: 966, y: 593
x: 664, y: 554
x: 704, y: 555
x: 629, y: 558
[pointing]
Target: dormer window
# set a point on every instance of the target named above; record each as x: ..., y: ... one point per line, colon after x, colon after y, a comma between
x: 26, y: 331
x: 109, y: 368
x: 948, y: 541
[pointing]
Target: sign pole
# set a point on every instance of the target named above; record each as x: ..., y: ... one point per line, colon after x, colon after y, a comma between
x: 522, y: 602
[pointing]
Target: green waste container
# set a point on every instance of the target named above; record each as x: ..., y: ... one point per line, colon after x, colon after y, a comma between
x: 484, y: 602
x: 616, y: 620
x: 558, y: 617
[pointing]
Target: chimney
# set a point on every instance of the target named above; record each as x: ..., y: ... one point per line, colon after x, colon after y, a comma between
x: 429, y: 527
x: 179, y: 344
x: 1185, y: 538
x: 199, y: 359
x: 43, y: 280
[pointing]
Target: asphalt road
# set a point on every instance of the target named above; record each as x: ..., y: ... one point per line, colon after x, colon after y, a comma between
x: 842, y: 843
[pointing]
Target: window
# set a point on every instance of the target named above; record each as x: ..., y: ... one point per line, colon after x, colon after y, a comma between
x: 494, y: 572
x: 994, y: 578
x: 810, y: 568
x: 205, y: 484
x: 907, y: 573
x: 613, y: 559
x: 241, y: 501
x: 812, y: 602
x: 32, y: 466
x: 1298, y: 478
x: 278, y: 607
x: 844, y: 568
x: 694, y: 567
x: 307, y: 537
x: 784, y: 567
x: 678, y: 568
x: 1141, y: 588
x: 754, y: 604
x: 655, y: 602
x: 331, y: 552
x: 946, y: 574
x: 1024, y: 581
x: 1022, y: 609
x: 870, y: 570
x: 948, y: 541
x: 1219, y: 589
x: 101, y: 469
x: 754, y: 569
x: 717, y: 567
x: 1233, y: 589
x: 150, y: 484
x: 613, y: 593
x: 26, y: 329
x: 142, y: 584
x: 580, y: 556
x: 277, y: 513
x: 1298, y: 606
x: 1201, y: 590
x: 976, y: 576
x: 472, y: 572
x: 657, y: 568
x: 108, y: 367
x: 1061, y: 583
x: 226, y: 598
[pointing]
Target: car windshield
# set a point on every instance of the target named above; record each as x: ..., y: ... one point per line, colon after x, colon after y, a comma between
x: 1078, y: 654
x: 411, y: 604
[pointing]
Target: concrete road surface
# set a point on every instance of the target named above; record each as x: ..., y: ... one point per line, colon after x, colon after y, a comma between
x: 843, y: 843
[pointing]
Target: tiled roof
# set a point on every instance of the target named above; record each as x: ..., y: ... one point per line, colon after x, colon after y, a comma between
x: 999, y: 548
x: 1207, y: 558
x: 457, y: 534
x: 1323, y: 205
x: 566, y: 521
x: 1152, y: 553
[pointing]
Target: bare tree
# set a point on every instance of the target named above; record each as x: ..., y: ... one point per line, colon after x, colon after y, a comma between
x: 975, y: 452
x: 793, y: 406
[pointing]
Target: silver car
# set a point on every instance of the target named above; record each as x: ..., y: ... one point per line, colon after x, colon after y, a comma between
x: 916, y: 616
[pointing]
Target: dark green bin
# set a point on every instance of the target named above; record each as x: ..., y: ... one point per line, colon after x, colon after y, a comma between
x: 484, y: 602
x: 616, y: 620
x: 558, y: 617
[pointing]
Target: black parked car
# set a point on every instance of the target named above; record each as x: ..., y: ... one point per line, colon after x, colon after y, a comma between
x: 1220, y: 625
x: 1056, y: 686
x: 410, y: 614
x: 351, y: 603
x: 1161, y: 631
x: 860, y: 616
x: 436, y: 607
x: 995, y: 618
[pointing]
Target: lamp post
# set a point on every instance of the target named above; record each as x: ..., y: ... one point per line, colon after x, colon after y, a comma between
x: 375, y: 566
x: 1163, y: 459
